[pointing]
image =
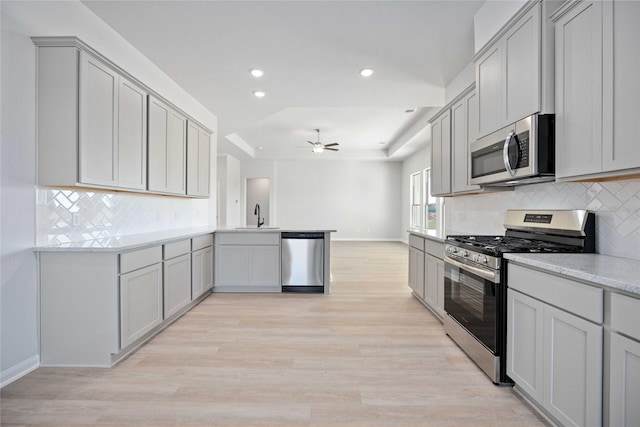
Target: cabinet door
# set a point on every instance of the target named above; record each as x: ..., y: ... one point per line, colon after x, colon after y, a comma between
x: 132, y: 135
x: 441, y: 155
x: 624, y: 384
x: 198, y: 161
x: 202, y: 279
x: 232, y: 264
x: 98, y: 143
x: 578, y: 77
x: 522, y: 56
x: 431, y: 281
x: 489, y: 86
x: 167, y: 148
x: 140, y: 303
x: 621, y: 92
x: 264, y: 267
x: 177, y: 284
x: 525, y: 343
x: 177, y: 154
x: 416, y: 271
x: 464, y: 122
x: 572, y: 368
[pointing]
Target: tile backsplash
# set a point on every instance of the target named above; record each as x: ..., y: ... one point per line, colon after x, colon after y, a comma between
x: 615, y: 203
x: 64, y: 215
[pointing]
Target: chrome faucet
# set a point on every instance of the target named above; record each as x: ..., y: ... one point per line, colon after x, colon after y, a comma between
x: 256, y: 211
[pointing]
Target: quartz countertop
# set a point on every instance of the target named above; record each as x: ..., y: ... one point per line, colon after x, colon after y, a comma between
x: 125, y: 243
x: 612, y: 272
x: 427, y: 233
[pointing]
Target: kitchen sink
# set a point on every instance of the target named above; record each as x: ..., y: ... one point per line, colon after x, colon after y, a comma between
x: 253, y: 227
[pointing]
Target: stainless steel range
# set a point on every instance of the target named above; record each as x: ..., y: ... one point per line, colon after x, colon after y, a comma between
x: 475, y: 278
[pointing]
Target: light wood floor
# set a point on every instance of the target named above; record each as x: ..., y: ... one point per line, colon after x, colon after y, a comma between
x: 369, y: 354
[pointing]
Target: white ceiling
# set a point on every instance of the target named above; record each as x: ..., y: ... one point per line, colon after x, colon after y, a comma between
x: 311, y: 52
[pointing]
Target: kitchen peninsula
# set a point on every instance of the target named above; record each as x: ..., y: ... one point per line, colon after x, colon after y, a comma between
x: 101, y: 299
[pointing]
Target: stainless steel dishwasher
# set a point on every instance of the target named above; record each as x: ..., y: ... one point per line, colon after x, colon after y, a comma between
x: 302, y: 262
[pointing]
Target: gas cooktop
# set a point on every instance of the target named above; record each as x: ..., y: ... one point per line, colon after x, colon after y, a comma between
x: 496, y: 245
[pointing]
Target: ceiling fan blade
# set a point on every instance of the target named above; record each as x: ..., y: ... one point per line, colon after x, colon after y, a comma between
x: 312, y: 143
x: 331, y: 149
x: 331, y: 145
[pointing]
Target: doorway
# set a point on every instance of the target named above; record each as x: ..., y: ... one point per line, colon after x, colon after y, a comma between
x: 258, y: 191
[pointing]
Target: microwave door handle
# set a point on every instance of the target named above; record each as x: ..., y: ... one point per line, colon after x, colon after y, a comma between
x: 492, y: 276
x: 505, y: 153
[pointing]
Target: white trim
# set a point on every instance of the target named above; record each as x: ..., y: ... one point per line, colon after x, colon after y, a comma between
x: 18, y: 371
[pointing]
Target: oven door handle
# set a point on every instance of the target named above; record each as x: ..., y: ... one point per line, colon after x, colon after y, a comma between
x: 492, y: 276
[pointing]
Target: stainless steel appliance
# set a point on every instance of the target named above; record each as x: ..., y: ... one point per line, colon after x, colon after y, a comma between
x: 475, y: 291
x: 302, y: 262
x: 521, y: 153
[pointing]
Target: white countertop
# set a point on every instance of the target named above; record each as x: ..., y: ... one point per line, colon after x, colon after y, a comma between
x: 613, y: 272
x: 125, y: 243
x: 427, y: 233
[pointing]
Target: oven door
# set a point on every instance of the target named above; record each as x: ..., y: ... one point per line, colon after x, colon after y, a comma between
x: 471, y: 298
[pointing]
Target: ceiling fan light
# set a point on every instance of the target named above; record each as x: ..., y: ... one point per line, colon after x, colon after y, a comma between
x: 318, y: 149
x: 366, y: 72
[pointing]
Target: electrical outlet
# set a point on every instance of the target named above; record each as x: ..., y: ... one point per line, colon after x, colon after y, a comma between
x: 75, y: 219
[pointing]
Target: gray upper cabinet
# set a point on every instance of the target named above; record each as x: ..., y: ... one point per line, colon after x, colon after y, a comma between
x: 92, y: 124
x: 441, y: 154
x: 167, y: 148
x: 198, y: 160
x: 464, y: 122
x: 621, y: 90
x: 514, y: 71
x: 597, y: 93
x: 579, y: 91
x: 98, y: 122
x: 132, y: 135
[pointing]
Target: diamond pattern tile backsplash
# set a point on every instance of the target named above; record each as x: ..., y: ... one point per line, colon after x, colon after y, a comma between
x: 615, y: 203
x: 67, y: 215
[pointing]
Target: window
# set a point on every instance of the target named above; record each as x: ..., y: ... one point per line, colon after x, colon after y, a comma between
x: 415, y: 219
x: 430, y: 203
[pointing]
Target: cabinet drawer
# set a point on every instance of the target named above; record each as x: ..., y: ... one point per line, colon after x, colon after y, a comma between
x: 416, y: 242
x: 576, y: 297
x: 434, y: 248
x: 172, y: 250
x: 625, y: 315
x: 257, y: 238
x: 201, y: 242
x: 130, y: 261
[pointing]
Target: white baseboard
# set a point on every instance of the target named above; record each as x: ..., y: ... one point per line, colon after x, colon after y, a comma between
x: 18, y: 371
x: 373, y: 239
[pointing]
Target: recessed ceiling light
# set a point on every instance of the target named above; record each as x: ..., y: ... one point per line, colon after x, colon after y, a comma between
x: 366, y: 72
x: 410, y: 111
x: 256, y: 72
x: 259, y: 94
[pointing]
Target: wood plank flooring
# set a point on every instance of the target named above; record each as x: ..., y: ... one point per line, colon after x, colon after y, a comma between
x: 368, y: 354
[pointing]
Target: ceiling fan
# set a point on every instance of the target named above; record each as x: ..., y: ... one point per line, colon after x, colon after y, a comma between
x: 319, y: 147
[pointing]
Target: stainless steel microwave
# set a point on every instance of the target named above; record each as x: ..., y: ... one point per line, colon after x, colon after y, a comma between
x: 521, y: 153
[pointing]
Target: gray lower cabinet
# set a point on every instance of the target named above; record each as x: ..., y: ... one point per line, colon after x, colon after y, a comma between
x: 247, y: 262
x: 426, y: 272
x: 202, y: 271
x: 140, y: 303
x: 112, y: 302
x: 177, y: 284
x: 555, y: 344
x: 624, y: 361
x: 416, y: 271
